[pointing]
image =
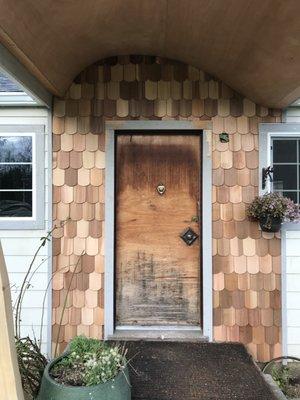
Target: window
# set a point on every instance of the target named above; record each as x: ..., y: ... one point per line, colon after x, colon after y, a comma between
x: 16, y: 176
x: 21, y: 178
x: 279, y: 148
x: 286, y: 166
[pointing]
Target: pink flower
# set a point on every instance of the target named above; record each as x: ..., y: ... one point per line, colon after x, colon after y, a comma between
x: 273, y: 205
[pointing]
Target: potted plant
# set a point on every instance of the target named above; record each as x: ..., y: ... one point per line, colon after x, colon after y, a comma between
x: 271, y: 209
x: 89, y: 369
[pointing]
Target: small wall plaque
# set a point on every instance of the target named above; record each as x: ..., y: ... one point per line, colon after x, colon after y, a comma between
x: 224, y: 137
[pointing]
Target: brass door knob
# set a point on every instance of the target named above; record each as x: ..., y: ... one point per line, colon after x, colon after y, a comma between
x: 161, y: 189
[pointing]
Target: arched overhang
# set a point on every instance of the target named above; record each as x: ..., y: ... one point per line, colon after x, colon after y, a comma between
x: 252, y: 45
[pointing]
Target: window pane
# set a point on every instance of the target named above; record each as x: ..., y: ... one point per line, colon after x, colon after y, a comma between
x: 15, y: 204
x: 291, y: 195
x: 15, y: 176
x: 15, y: 148
x: 284, y: 151
x: 285, y: 177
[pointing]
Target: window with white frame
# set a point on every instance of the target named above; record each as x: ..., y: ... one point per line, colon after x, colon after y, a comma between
x: 21, y: 179
x: 16, y: 176
x: 285, y: 162
x: 279, y: 153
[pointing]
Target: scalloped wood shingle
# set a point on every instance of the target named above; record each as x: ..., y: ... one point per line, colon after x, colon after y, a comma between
x: 246, y: 262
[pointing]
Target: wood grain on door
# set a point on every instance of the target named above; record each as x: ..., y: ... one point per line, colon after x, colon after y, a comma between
x: 157, y: 274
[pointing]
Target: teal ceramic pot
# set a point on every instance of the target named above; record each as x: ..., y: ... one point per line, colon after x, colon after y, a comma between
x: 116, y: 389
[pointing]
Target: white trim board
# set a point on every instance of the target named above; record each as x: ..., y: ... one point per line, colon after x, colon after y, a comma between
x: 266, y: 133
x: 49, y: 226
x: 171, y: 127
x: 16, y: 71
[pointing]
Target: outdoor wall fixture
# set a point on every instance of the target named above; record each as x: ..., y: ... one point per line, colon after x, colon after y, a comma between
x: 224, y: 137
x: 266, y: 174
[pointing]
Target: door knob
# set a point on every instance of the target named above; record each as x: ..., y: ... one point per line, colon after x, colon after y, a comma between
x: 161, y: 189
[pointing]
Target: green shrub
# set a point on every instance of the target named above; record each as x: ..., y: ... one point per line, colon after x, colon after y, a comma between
x: 282, y: 376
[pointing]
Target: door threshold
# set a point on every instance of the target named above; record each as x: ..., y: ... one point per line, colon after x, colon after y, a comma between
x: 159, y: 334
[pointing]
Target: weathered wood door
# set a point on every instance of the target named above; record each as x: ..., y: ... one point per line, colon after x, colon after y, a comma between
x: 157, y: 274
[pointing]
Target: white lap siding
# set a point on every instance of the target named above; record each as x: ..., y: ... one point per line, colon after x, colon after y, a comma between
x: 292, y: 265
x: 19, y: 246
x: 292, y: 114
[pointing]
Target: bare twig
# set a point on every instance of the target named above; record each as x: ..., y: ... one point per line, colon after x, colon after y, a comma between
x: 45, y: 298
x: 65, y: 304
x: 31, y: 364
x: 24, y: 283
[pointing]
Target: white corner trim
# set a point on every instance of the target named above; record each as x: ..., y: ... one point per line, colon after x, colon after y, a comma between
x: 109, y: 301
x: 284, y: 326
x: 49, y: 228
x: 266, y: 133
x: 172, y: 127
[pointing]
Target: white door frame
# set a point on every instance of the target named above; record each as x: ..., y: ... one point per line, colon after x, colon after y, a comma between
x: 172, y: 127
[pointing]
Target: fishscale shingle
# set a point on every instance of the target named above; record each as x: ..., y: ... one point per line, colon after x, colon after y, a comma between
x: 246, y: 263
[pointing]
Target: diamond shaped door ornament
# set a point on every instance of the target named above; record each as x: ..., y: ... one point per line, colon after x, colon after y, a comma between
x: 189, y: 236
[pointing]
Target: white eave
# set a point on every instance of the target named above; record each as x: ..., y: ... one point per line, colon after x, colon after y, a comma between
x: 32, y: 94
x: 296, y: 103
x: 16, y: 99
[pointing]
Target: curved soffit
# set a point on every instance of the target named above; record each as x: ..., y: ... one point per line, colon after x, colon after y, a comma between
x: 252, y: 45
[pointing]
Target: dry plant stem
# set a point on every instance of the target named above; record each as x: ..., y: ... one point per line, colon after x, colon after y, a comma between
x: 65, y: 304
x: 44, y: 301
x: 27, y: 375
x: 31, y: 365
x: 29, y: 280
x: 26, y: 287
x: 24, y: 283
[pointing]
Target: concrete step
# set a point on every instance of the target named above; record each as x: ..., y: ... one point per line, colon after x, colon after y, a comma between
x: 166, y: 335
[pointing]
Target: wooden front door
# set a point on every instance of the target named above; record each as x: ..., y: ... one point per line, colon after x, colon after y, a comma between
x: 157, y: 198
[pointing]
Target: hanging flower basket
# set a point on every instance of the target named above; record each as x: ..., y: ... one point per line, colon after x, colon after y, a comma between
x: 271, y: 209
x: 269, y: 224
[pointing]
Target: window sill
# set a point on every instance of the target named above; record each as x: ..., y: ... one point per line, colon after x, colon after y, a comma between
x: 290, y: 226
x: 21, y: 225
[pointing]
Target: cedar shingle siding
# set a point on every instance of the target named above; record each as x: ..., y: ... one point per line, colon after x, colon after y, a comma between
x: 246, y: 262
